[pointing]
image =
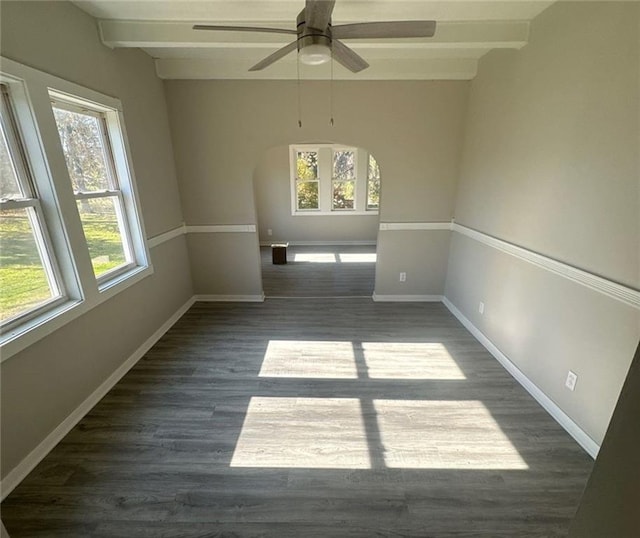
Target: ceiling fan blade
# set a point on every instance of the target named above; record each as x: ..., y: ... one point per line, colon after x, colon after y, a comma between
x: 243, y: 29
x: 317, y: 13
x: 364, y: 30
x: 280, y: 53
x: 352, y: 61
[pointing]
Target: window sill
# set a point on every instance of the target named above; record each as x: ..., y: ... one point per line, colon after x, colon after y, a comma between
x: 28, y: 333
x: 337, y: 213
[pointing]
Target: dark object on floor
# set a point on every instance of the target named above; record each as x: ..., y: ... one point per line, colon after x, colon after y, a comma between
x: 279, y: 253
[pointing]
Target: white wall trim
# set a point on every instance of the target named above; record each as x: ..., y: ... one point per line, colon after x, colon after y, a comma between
x: 408, y: 226
x: 221, y: 228
x: 230, y: 298
x: 367, y: 242
x: 406, y: 298
x: 597, y: 283
x: 19, y: 473
x: 581, y: 437
x: 213, y: 228
x: 166, y: 236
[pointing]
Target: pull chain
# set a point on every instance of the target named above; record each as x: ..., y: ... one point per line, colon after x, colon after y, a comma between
x: 331, y: 91
x: 299, y: 98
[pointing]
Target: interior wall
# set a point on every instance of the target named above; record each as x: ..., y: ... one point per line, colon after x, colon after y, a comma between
x: 609, y: 506
x: 44, y: 383
x: 550, y: 163
x: 272, y: 184
x: 222, y: 128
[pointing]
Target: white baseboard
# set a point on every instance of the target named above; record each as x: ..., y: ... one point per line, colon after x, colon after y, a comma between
x: 407, y: 298
x: 581, y: 437
x: 19, y: 473
x: 230, y: 298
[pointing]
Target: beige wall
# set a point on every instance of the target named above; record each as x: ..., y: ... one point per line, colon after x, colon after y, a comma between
x: 272, y: 186
x: 222, y: 129
x: 550, y: 163
x: 44, y: 383
x: 609, y: 506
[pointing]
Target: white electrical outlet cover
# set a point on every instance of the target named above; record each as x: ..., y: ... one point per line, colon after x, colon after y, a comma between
x: 572, y: 379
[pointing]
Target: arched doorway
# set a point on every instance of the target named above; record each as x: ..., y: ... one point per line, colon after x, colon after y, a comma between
x: 323, y: 201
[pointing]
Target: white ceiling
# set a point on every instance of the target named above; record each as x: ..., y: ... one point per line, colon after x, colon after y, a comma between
x: 466, y: 30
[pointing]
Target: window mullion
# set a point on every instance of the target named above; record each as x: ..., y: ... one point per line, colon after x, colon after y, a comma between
x: 59, y: 204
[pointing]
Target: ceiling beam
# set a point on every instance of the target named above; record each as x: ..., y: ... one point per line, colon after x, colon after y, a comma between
x: 148, y: 34
x: 386, y: 69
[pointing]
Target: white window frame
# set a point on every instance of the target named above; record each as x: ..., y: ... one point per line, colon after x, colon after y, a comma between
x: 115, y: 191
x: 30, y: 201
x: 297, y: 180
x: 51, y: 178
x: 325, y: 177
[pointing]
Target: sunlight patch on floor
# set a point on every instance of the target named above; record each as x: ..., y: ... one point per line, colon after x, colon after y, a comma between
x: 309, y: 359
x: 314, y: 257
x: 317, y: 433
x: 330, y: 257
x: 334, y: 433
x: 357, y: 257
x: 456, y: 434
x: 410, y: 360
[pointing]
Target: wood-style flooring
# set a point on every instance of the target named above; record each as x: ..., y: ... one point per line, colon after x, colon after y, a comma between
x: 316, y: 418
x: 320, y: 271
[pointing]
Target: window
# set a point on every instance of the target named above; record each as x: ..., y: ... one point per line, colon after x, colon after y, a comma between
x: 70, y: 225
x: 328, y: 179
x: 373, y: 184
x: 29, y: 276
x: 343, y: 182
x: 307, y: 184
x: 90, y: 161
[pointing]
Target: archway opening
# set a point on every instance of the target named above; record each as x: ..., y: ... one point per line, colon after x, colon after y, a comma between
x: 322, y: 201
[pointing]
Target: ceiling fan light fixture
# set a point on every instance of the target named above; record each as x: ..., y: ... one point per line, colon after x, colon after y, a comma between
x: 315, y: 54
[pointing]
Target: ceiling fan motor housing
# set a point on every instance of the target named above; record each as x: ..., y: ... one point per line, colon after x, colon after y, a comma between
x: 310, y: 36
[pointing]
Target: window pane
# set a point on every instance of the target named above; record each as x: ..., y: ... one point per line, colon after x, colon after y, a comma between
x: 344, y: 165
x: 307, y: 165
x: 373, y: 171
x: 84, y: 151
x: 307, y: 195
x: 104, y: 234
x: 343, y: 194
x: 373, y: 194
x: 9, y: 187
x: 24, y: 284
x: 373, y: 184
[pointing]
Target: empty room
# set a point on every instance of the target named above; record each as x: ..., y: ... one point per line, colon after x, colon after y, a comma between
x: 290, y: 268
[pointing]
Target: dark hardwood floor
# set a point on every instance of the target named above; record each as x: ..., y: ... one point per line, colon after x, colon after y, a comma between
x: 315, y: 418
x: 320, y: 271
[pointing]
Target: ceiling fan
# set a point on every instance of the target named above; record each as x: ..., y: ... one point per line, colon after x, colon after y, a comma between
x: 317, y: 40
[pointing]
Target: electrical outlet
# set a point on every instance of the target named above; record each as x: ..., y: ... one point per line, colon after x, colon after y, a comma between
x: 572, y: 379
x: 269, y: 231
x: 403, y: 277
x: 481, y: 307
